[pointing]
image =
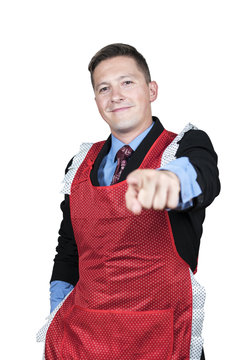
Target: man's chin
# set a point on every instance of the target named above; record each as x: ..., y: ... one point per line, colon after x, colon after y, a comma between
x: 124, y: 126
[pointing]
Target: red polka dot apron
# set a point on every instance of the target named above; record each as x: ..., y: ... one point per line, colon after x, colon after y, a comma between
x: 133, y: 299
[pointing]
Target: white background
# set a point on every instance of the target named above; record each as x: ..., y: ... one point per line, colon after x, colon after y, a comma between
x: 48, y: 109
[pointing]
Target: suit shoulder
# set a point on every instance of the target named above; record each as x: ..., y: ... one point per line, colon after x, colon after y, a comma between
x: 195, y: 139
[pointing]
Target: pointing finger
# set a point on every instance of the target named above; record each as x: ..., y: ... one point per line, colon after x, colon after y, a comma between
x: 131, y: 196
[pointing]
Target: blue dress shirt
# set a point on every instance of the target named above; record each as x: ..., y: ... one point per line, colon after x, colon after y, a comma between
x: 181, y: 167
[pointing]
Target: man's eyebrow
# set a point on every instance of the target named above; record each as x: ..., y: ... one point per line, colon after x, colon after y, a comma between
x: 119, y: 78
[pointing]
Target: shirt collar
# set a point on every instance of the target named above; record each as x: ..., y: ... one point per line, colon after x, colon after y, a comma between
x: 117, y: 144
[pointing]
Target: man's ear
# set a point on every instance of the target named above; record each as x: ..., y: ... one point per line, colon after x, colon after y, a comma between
x: 153, y: 90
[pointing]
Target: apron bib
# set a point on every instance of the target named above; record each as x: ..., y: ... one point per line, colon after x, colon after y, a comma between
x: 133, y: 300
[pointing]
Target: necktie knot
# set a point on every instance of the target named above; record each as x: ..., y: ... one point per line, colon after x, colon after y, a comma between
x: 122, y: 156
x: 124, y: 153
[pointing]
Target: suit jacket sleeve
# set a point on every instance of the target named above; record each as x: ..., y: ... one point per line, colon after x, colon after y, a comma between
x: 66, y: 260
x: 197, y: 146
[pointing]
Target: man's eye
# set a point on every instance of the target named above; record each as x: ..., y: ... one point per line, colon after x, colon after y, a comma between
x: 103, y: 89
x: 128, y: 82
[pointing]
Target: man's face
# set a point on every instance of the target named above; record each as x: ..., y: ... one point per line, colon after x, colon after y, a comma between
x: 122, y: 95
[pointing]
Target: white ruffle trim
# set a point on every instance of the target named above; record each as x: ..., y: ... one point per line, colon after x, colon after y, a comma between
x: 77, y: 161
x: 198, y: 300
x: 170, y: 151
x: 41, y: 334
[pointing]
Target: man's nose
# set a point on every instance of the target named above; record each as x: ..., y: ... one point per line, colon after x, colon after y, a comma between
x: 117, y: 94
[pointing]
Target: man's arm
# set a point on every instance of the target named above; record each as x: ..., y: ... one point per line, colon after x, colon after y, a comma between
x: 65, y: 270
x: 197, y: 146
x: 66, y: 260
x: 188, y: 181
x: 161, y: 189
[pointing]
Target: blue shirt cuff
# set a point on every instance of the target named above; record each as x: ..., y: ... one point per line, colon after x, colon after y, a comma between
x: 188, y: 180
x: 58, y: 290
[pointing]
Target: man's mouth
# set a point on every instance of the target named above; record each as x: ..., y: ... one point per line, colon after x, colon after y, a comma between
x: 121, y: 109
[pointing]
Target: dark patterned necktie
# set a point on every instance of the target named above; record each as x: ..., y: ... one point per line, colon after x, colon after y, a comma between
x: 123, y: 156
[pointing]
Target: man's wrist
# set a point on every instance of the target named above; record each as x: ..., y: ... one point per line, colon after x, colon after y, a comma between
x: 58, y: 291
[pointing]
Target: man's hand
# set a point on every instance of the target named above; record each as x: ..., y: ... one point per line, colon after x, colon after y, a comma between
x: 156, y: 189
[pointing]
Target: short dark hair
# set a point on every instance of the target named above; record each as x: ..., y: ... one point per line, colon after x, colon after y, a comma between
x: 119, y: 49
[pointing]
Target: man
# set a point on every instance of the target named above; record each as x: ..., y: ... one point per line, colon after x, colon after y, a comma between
x: 122, y: 285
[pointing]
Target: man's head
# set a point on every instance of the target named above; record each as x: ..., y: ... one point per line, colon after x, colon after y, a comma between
x: 119, y: 49
x: 123, y: 89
